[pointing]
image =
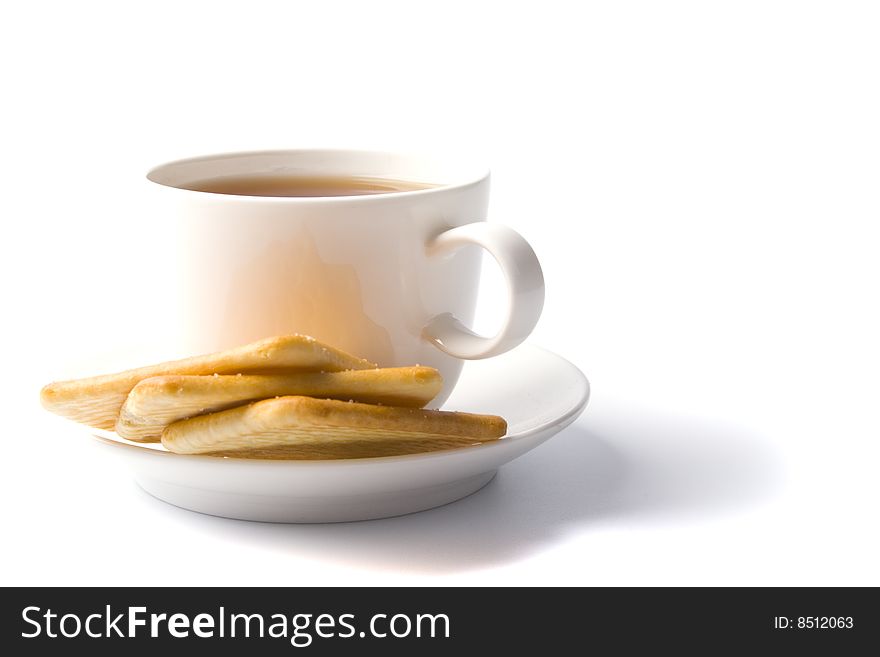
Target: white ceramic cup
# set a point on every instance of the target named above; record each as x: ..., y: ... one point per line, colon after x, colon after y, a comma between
x: 383, y: 276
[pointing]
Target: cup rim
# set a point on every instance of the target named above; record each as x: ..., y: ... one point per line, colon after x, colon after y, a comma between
x: 474, y: 176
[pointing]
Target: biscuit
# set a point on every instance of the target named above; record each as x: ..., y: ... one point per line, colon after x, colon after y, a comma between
x: 304, y: 427
x: 96, y: 401
x: 156, y: 402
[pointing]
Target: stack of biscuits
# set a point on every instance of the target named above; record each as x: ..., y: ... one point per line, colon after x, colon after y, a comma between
x: 288, y: 397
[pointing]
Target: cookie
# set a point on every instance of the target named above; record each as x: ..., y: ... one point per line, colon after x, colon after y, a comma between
x: 156, y: 402
x: 304, y: 427
x: 96, y: 401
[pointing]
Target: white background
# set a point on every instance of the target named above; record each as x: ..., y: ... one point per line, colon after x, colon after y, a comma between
x: 700, y: 181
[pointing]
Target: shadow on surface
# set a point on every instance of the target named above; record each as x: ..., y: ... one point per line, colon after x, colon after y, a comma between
x: 624, y: 469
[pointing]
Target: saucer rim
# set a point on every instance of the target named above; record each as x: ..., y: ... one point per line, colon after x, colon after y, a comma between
x: 111, y: 439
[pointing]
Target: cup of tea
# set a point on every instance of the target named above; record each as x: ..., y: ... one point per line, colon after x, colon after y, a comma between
x: 363, y: 250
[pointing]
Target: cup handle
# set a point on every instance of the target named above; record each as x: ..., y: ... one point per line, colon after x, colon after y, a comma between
x: 525, y: 291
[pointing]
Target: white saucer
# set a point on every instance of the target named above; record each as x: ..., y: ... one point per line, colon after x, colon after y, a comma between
x: 536, y: 391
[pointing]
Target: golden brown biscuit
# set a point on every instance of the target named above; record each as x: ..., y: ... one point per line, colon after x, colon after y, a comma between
x: 96, y: 401
x: 156, y: 402
x: 303, y: 427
